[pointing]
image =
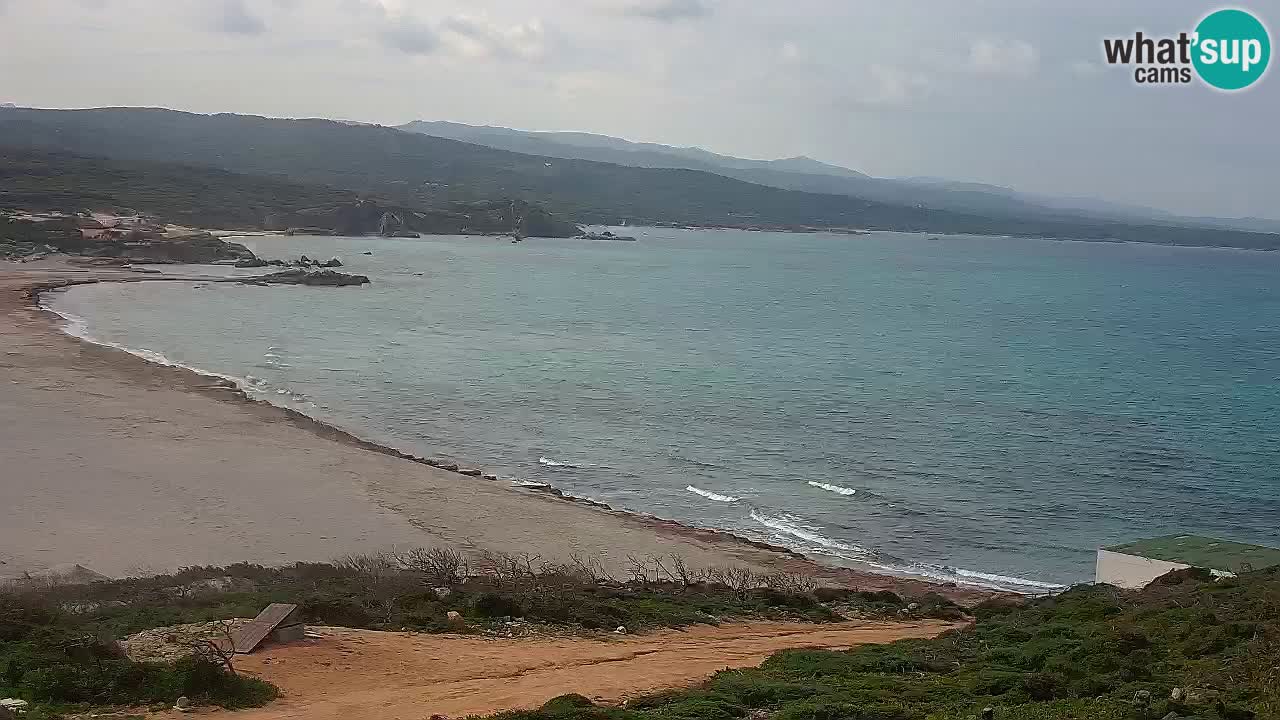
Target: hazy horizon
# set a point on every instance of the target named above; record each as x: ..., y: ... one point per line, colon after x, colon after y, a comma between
x: 1012, y: 94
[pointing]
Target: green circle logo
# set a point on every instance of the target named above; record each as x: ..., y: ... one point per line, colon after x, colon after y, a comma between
x: 1232, y: 49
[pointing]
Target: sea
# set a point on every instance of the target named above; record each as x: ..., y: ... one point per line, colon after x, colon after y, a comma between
x: 980, y: 410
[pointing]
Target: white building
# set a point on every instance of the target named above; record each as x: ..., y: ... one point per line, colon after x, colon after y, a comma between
x: 1134, y: 565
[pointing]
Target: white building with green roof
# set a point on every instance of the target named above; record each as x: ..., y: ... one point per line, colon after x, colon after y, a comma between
x: 1134, y: 565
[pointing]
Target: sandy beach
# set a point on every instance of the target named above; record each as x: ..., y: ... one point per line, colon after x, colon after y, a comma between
x: 127, y: 467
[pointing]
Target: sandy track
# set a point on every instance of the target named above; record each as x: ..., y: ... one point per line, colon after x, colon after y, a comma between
x: 399, y: 676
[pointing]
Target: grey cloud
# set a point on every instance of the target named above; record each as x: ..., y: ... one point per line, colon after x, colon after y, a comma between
x: 233, y: 16
x: 409, y: 36
x: 480, y: 37
x: 668, y: 10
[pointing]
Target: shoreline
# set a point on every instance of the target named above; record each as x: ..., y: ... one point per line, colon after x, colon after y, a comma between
x: 763, y: 556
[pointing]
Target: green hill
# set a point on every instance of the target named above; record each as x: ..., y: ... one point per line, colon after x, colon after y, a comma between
x: 203, y: 196
x: 428, y: 172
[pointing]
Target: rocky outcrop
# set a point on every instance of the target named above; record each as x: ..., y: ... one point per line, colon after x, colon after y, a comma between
x: 606, y: 235
x: 299, y: 276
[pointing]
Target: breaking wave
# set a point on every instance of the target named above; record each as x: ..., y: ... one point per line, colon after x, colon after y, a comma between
x: 795, y: 527
x: 557, y: 463
x: 833, y: 488
x: 815, y: 542
x: 712, y: 496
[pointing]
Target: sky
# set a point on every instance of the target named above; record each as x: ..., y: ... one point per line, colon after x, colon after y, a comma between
x: 1008, y: 92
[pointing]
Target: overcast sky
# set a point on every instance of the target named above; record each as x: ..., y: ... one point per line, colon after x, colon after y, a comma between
x: 1010, y: 92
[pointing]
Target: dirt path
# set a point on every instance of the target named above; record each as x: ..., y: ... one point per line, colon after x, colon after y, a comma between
x: 398, y: 676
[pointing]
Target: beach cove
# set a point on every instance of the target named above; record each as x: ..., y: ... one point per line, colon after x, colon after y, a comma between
x: 128, y: 467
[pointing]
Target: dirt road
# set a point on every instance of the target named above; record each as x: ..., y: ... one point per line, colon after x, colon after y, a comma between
x: 398, y: 676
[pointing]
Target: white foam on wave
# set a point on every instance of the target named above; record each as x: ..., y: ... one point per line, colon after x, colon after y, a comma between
x: 712, y: 496
x: 837, y: 489
x: 557, y: 463
x: 795, y: 527
x: 1006, y: 579
x: 974, y: 578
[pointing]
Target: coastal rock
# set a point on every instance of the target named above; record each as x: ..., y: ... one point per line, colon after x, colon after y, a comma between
x: 332, y: 263
x: 390, y: 224
x: 328, y: 278
x: 488, y: 476
x: 606, y: 235
x: 472, y: 472
x: 254, y: 262
x: 451, y: 467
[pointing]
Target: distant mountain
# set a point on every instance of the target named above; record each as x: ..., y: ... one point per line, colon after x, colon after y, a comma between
x: 405, y: 169
x: 604, y: 148
x: 809, y: 175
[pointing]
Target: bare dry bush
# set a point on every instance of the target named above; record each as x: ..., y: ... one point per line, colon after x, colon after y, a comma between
x: 441, y: 567
x: 218, y: 651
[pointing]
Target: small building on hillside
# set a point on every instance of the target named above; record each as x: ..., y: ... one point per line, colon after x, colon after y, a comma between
x: 1134, y: 565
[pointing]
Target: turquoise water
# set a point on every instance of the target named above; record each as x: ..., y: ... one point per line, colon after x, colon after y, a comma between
x: 985, y: 410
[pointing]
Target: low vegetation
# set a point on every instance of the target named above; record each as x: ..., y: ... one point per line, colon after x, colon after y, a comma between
x: 1188, y: 646
x: 57, y: 641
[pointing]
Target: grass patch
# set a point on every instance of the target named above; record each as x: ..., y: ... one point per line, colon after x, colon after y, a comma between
x: 1093, y: 652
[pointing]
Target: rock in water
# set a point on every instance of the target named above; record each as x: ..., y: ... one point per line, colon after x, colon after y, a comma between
x: 329, y: 278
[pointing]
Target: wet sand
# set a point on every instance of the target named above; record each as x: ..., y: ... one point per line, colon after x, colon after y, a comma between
x: 127, y: 467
